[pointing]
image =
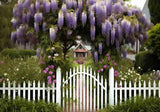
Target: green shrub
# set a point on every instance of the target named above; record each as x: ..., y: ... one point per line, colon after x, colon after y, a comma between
x: 22, y: 105
x: 153, y: 43
x: 20, y: 69
x: 141, y: 105
x: 147, y: 61
x: 16, y: 53
x: 138, y: 105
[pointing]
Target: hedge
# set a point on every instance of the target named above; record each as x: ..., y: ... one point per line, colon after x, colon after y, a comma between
x: 17, y: 53
x: 147, y: 61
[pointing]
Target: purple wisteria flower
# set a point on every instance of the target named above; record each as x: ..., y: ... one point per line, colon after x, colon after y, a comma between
x: 129, y: 13
x: 38, y: 17
x: 100, y: 48
x: 13, y: 36
x: 26, y: 3
x: 38, y: 52
x: 23, y: 18
x: 69, y: 4
x: 75, y: 4
x: 47, y: 6
x: 109, y: 8
x: 80, y: 4
x: 124, y: 54
x: 108, y: 27
x: 118, y: 8
x: 53, y: 32
x: 84, y: 18
x: 91, y: 2
x: 112, y: 36
x: 64, y: 8
x: 96, y: 57
x: 31, y: 9
x: 54, y: 5
x: 141, y: 37
x: 53, y: 76
x: 60, y: 19
x: 37, y: 5
x: 28, y: 17
x: 36, y: 27
x: 117, y: 45
x: 92, y: 33
x: 71, y: 20
x: 44, y: 27
x: 69, y: 32
x: 120, y: 36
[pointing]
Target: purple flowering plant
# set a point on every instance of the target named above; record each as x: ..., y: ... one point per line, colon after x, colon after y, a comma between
x: 103, y: 65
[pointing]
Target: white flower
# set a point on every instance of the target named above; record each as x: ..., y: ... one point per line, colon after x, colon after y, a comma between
x: 22, y: 77
x: 56, y: 54
x: 53, y: 48
x: 122, y: 78
x: 5, y: 74
x: 7, y: 79
x: 139, y: 67
x: 17, y: 69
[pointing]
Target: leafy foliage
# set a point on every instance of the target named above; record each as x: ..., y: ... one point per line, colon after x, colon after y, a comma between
x: 154, y: 10
x: 147, y: 61
x: 20, y: 69
x: 140, y: 105
x: 22, y: 105
x: 153, y: 43
x: 5, y: 26
x: 15, y: 53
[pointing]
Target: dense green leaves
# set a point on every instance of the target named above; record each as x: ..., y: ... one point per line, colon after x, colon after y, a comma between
x: 147, y: 61
x: 22, y: 105
x: 14, y: 53
x: 154, y: 10
x: 153, y: 43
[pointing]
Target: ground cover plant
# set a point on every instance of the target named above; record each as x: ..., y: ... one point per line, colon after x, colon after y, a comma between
x: 138, y: 105
x: 20, y: 69
x: 22, y: 105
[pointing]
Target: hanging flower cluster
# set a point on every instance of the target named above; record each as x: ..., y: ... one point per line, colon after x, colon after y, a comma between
x: 107, y: 14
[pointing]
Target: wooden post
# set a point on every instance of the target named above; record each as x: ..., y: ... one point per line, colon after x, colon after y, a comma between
x: 111, y: 86
x: 58, y: 86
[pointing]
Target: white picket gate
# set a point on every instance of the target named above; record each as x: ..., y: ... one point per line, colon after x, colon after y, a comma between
x: 86, y: 91
x: 81, y: 89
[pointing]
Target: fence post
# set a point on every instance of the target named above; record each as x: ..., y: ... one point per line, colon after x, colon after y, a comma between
x: 111, y: 86
x: 58, y: 85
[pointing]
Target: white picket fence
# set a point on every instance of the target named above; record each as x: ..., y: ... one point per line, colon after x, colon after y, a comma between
x: 81, y: 89
x: 30, y: 91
